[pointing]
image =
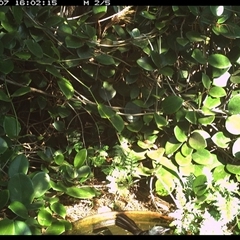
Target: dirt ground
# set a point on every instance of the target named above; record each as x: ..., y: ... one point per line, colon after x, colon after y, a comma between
x: 136, y: 200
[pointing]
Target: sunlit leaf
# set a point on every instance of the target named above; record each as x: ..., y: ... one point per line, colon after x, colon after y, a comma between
x: 232, y: 124
x: 234, y: 105
x: 41, y: 184
x: 66, y: 87
x: 80, y: 158
x: 219, y: 61
x: 19, y: 209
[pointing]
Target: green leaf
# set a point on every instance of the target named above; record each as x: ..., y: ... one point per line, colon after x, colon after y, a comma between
x: 80, y: 158
x: 166, y: 71
x: 21, y: 91
x: 191, y: 116
x: 53, y: 71
x: 171, y: 104
x: 197, y: 141
x: 81, y: 192
x: 148, y: 15
x: 4, y: 197
x: 156, y: 58
x: 21, y: 228
x: 41, y: 184
x: 156, y: 154
x: 56, y: 228
x: 183, y: 160
x: 20, y: 164
x: 105, y: 111
x: 206, y: 120
x: 135, y: 126
x: 186, y: 150
x: 99, y: 9
x: 11, y: 126
x: 59, y: 125
x: 232, y: 124
x: 66, y: 88
x: 146, y: 63
x: 105, y: 59
x: 219, y: 61
x: 171, y: 146
x: 217, y: 92
x: 53, y: 21
x: 107, y: 92
x: 202, y: 156
x: 217, y: 10
x: 221, y: 140
x: 3, y: 145
x: 73, y: 42
x: 234, y: 105
x: 220, y: 173
x: 17, y: 14
x: 198, y: 56
x: 19, y: 209
x: 160, y: 120
x: 34, y: 48
x: 117, y: 122
x: 21, y: 189
x: 7, y: 227
x: 6, y: 66
x: 180, y: 134
x: 44, y: 218
x: 200, y: 185
x: 234, y: 169
x: 83, y: 172
x: 194, y: 36
x: 59, y: 209
x: 4, y: 97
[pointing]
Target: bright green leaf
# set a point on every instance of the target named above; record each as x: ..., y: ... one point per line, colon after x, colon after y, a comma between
x: 221, y: 140
x: 172, y: 145
x: 19, y: 209
x: 41, y: 184
x: 236, y: 149
x: 200, y: 185
x: 66, y: 87
x: 44, y: 218
x: 81, y: 192
x: 232, y: 124
x: 80, y: 158
x: 219, y: 61
x: 59, y: 209
x: 21, y: 228
x: 197, y: 141
x: 234, y: 105
x: 202, y: 156
x: 217, y: 92
x: 7, y: 227
x: 56, y: 228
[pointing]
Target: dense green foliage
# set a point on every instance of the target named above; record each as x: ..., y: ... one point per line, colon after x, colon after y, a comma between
x: 133, y: 92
